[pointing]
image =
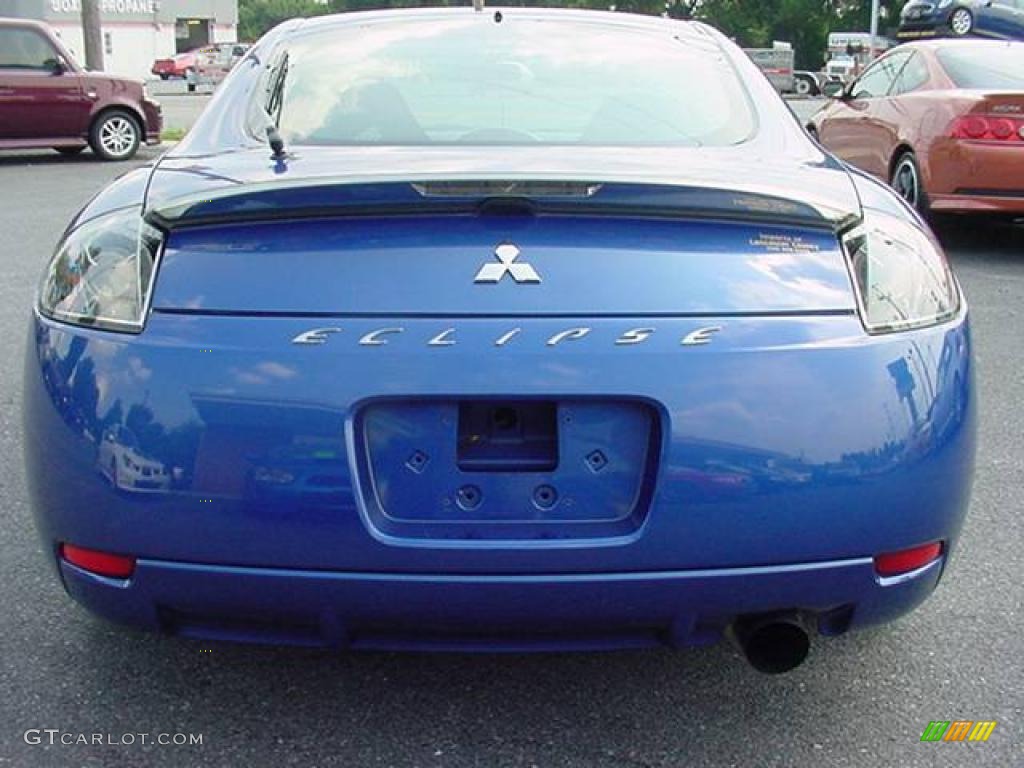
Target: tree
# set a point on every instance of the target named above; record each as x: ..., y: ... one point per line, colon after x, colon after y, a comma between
x: 757, y: 23
x: 256, y: 17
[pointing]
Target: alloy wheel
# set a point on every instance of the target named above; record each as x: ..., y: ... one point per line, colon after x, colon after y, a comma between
x: 118, y: 136
x: 961, y: 22
x: 906, y: 182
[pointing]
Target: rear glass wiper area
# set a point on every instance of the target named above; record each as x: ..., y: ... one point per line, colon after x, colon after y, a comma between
x: 275, y: 93
x: 272, y: 108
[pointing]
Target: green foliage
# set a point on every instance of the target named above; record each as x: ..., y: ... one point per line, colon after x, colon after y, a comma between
x: 756, y: 23
x: 255, y: 17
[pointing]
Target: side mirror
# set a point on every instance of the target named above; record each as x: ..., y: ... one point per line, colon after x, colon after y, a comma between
x: 56, y: 65
x: 834, y: 89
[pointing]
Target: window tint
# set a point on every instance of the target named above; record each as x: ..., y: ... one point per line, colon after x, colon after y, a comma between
x: 879, y: 77
x: 913, y: 75
x: 25, y: 49
x: 521, y: 82
x: 985, y: 66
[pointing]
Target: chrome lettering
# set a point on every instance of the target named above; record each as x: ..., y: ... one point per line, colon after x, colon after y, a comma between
x: 442, y: 339
x: 372, y: 339
x: 505, y: 338
x: 449, y: 336
x: 315, y: 336
x: 635, y: 336
x: 572, y: 333
x: 700, y: 336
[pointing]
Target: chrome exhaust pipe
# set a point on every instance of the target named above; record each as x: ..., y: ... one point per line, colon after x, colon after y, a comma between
x: 772, y: 643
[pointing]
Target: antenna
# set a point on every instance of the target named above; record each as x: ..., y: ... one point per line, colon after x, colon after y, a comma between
x: 276, y: 143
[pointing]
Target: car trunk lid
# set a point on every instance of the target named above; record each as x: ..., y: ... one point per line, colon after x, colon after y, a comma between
x: 511, y: 264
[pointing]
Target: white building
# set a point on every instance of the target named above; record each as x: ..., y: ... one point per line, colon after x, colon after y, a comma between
x: 136, y: 32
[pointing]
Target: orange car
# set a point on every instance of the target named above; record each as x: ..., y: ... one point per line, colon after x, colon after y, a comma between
x: 942, y: 121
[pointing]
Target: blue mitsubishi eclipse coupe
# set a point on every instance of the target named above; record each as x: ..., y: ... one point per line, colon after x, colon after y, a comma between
x: 501, y: 330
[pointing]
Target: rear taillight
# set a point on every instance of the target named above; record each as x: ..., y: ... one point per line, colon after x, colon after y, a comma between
x: 102, y: 563
x: 994, y: 128
x: 907, y: 560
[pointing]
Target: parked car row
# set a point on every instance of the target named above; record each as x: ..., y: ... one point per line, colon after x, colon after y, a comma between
x: 942, y: 121
x: 211, y: 62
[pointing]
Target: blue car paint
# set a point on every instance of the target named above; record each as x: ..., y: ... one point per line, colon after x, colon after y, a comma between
x: 387, y: 261
x: 1002, y: 19
x: 782, y: 455
x: 550, y: 612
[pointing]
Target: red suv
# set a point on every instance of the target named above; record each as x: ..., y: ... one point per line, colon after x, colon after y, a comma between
x: 47, y: 100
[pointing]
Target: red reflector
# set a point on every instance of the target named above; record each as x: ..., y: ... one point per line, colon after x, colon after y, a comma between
x: 906, y: 560
x: 1002, y: 129
x: 102, y: 563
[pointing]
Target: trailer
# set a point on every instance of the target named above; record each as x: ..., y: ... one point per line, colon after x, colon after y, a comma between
x: 777, y: 64
x: 850, y: 52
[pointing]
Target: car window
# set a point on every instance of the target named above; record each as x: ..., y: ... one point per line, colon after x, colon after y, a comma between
x: 913, y: 75
x: 879, y: 77
x: 994, y: 65
x: 25, y: 49
x: 460, y: 82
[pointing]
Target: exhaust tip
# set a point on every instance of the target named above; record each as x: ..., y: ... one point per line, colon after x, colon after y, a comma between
x: 773, y: 645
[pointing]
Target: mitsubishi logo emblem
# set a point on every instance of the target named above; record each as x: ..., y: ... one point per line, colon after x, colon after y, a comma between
x: 507, y: 253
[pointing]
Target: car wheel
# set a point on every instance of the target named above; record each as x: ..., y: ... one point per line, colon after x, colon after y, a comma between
x: 115, y: 135
x: 906, y: 180
x: 804, y: 86
x: 961, y: 22
x: 69, y: 150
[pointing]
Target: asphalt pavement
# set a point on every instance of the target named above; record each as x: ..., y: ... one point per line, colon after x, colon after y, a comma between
x: 860, y: 700
x: 182, y: 109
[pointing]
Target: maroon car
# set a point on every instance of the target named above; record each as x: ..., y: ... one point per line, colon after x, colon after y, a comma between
x: 47, y: 100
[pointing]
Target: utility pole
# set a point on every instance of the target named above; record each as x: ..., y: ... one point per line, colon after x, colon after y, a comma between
x: 92, y: 34
x: 874, y: 27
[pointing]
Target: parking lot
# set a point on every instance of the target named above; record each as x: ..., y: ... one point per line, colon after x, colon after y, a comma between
x: 860, y: 700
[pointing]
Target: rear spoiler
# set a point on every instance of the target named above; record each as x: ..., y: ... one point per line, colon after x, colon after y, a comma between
x: 325, y: 197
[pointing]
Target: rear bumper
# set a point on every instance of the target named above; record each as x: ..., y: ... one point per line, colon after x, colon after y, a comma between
x: 975, y: 177
x: 978, y: 203
x: 154, y: 120
x: 514, y: 613
x: 792, y: 441
x: 920, y: 30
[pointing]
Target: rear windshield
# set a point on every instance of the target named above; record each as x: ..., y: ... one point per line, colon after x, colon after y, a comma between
x: 985, y: 66
x: 472, y: 81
